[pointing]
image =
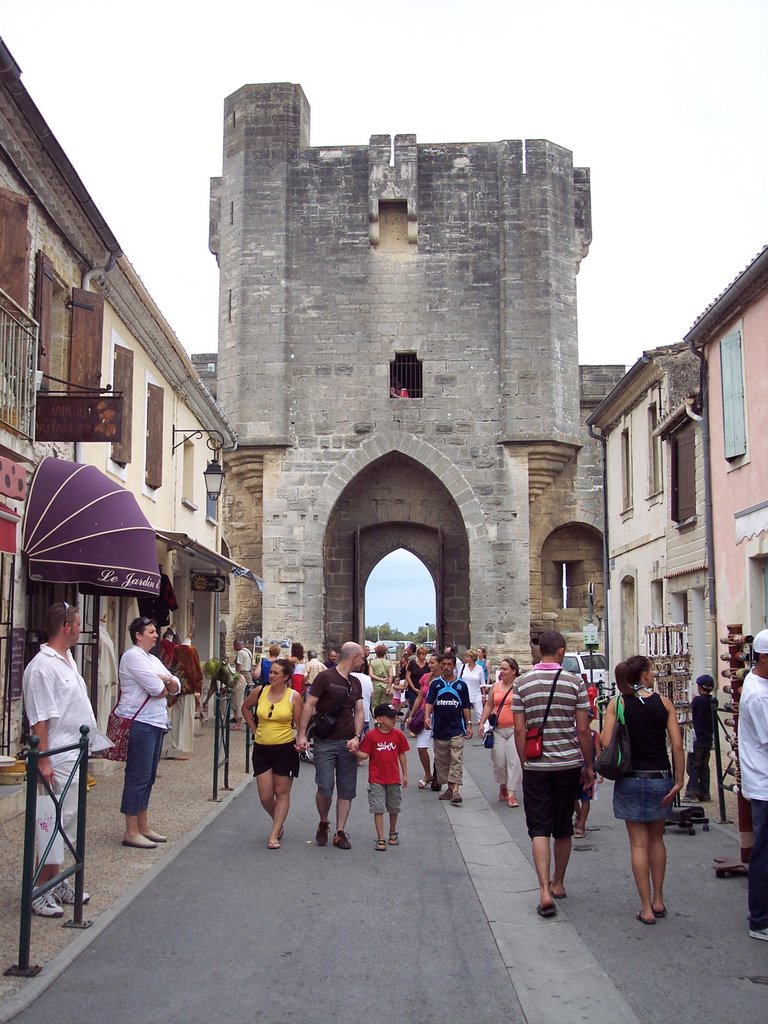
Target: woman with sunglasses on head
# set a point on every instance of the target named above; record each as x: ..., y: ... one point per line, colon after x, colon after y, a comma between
x: 145, y: 685
x: 642, y: 798
x: 506, y: 764
x: 278, y: 710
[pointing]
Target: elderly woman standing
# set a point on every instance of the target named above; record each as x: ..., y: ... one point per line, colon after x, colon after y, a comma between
x: 642, y: 798
x: 506, y: 764
x: 474, y: 676
x: 145, y: 685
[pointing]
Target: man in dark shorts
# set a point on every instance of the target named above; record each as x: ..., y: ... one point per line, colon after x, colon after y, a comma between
x: 336, y: 693
x: 551, y: 782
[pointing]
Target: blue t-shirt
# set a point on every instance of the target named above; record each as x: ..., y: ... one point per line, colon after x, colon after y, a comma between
x: 266, y: 665
x: 447, y: 710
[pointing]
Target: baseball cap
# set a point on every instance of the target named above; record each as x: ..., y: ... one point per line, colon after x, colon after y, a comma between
x: 760, y: 643
x: 384, y: 711
x: 706, y: 682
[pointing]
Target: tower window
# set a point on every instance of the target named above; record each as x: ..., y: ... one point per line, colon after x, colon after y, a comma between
x: 405, y: 376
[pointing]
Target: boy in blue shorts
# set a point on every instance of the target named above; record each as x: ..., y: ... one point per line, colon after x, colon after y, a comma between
x: 385, y: 748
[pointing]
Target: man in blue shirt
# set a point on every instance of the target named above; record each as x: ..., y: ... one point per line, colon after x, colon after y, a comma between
x: 447, y: 714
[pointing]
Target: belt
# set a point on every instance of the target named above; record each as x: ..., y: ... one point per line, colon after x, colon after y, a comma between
x: 652, y: 775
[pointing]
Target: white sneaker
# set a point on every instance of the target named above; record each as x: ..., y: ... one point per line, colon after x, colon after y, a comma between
x: 65, y: 893
x: 47, y: 906
x: 758, y: 933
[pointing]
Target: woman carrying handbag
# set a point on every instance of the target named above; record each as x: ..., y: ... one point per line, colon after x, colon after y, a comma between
x: 498, y: 713
x: 641, y: 798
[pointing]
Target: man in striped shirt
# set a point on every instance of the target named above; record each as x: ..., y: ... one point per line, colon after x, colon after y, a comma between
x: 551, y: 781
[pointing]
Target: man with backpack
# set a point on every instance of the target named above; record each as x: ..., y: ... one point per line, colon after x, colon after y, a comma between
x: 447, y: 714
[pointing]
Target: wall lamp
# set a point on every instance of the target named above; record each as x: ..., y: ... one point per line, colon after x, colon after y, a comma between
x: 214, y: 473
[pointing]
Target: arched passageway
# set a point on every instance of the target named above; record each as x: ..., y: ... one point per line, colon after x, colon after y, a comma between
x: 394, y: 503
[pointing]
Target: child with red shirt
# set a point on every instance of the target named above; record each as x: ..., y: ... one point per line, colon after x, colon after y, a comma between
x: 386, y: 747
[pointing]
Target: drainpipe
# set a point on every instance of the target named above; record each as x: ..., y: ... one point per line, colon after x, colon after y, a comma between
x: 709, y: 537
x: 606, y: 566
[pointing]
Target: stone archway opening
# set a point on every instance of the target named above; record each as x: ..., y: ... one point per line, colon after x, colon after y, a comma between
x: 395, y: 503
x: 571, y: 560
x: 400, y: 591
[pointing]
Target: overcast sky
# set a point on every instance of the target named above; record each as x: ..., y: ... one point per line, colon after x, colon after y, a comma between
x: 665, y: 100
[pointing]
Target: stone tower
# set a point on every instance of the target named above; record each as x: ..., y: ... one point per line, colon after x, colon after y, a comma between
x: 398, y: 354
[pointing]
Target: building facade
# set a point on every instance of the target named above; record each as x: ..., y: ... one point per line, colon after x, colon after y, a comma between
x: 398, y: 355
x: 84, y: 347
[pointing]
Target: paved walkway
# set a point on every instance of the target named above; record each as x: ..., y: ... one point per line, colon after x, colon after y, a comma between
x: 442, y: 926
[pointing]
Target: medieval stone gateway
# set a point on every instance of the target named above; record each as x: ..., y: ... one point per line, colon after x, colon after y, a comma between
x: 398, y: 355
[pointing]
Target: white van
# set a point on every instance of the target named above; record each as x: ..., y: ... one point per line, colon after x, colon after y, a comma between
x: 590, y: 665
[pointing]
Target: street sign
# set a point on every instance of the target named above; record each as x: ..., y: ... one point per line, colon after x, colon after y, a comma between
x: 590, y: 635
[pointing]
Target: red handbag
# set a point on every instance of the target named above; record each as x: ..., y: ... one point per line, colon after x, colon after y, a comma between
x: 119, y: 731
x: 534, y: 737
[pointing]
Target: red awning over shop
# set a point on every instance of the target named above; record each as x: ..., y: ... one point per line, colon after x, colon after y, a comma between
x: 8, y: 520
x: 81, y: 527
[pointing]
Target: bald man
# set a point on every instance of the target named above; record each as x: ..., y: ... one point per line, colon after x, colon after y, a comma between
x: 335, y: 701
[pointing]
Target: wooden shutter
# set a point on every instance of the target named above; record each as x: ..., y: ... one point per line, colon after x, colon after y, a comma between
x: 14, y: 247
x: 684, y: 474
x: 154, y: 445
x: 85, y: 347
x: 122, y: 380
x: 734, y: 428
x: 44, y: 279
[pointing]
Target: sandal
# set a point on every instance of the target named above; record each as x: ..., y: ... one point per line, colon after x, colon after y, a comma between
x: 273, y: 845
x: 512, y: 801
x: 394, y: 838
x: 380, y: 845
x: 579, y: 833
x: 423, y: 784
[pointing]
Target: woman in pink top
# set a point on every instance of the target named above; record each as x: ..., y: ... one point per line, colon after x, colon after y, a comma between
x: 506, y: 763
x: 423, y: 738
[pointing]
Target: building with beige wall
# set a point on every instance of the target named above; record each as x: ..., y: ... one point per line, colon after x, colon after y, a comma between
x: 657, y: 567
x: 79, y: 327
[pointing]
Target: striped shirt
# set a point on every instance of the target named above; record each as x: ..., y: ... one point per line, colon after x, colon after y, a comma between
x: 561, y: 748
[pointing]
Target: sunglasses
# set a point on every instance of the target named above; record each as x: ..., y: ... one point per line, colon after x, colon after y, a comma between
x: 271, y: 709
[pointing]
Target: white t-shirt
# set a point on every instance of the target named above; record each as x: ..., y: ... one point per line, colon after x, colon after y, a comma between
x: 366, y: 684
x: 753, y: 737
x: 54, y: 691
x: 474, y: 678
x: 244, y: 662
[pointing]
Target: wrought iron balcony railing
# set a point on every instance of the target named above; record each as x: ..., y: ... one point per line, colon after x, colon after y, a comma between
x: 18, y: 362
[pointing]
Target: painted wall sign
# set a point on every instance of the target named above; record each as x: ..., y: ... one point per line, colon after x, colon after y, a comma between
x: 78, y: 418
x: 13, y: 479
x: 16, y: 666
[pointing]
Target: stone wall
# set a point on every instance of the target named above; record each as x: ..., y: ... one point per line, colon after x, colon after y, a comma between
x: 333, y: 261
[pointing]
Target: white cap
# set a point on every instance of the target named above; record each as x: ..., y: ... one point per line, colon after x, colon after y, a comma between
x: 760, y: 643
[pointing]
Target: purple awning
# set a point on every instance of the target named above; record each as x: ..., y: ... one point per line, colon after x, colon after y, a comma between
x: 81, y: 527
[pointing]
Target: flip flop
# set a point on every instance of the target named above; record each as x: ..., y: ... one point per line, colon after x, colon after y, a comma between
x: 271, y: 845
x: 642, y: 920
x: 380, y: 846
x: 423, y: 784
x: 660, y: 913
x: 563, y: 895
x: 543, y: 911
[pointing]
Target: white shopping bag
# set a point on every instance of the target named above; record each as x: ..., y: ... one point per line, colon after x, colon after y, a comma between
x: 45, y: 827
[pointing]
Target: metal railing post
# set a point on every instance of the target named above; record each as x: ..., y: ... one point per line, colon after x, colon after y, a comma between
x: 82, y: 796
x: 216, y: 724
x: 227, y: 736
x: 28, y: 866
x: 248, y: 734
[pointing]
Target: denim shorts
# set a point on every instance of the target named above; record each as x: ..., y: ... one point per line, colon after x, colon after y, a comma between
x: 637, y: 799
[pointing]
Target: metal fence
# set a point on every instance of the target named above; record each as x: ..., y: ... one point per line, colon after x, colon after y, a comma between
x: 30, y: 890
x: 222, y: 709
x: 18, y: 362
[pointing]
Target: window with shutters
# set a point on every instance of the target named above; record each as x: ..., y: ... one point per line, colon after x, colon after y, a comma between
x: 14, y: 247
x: 122, y: 382
x: 626, y: 470
x: 86, y: 341
x: 53, y: 314
x: 683, y: 451
x: 732, y: 375
x: 153, y: 452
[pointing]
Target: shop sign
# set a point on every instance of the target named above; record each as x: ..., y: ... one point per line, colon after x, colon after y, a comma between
x: 208, y: 582
x: 78, y: 418
x: 16, y: 661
